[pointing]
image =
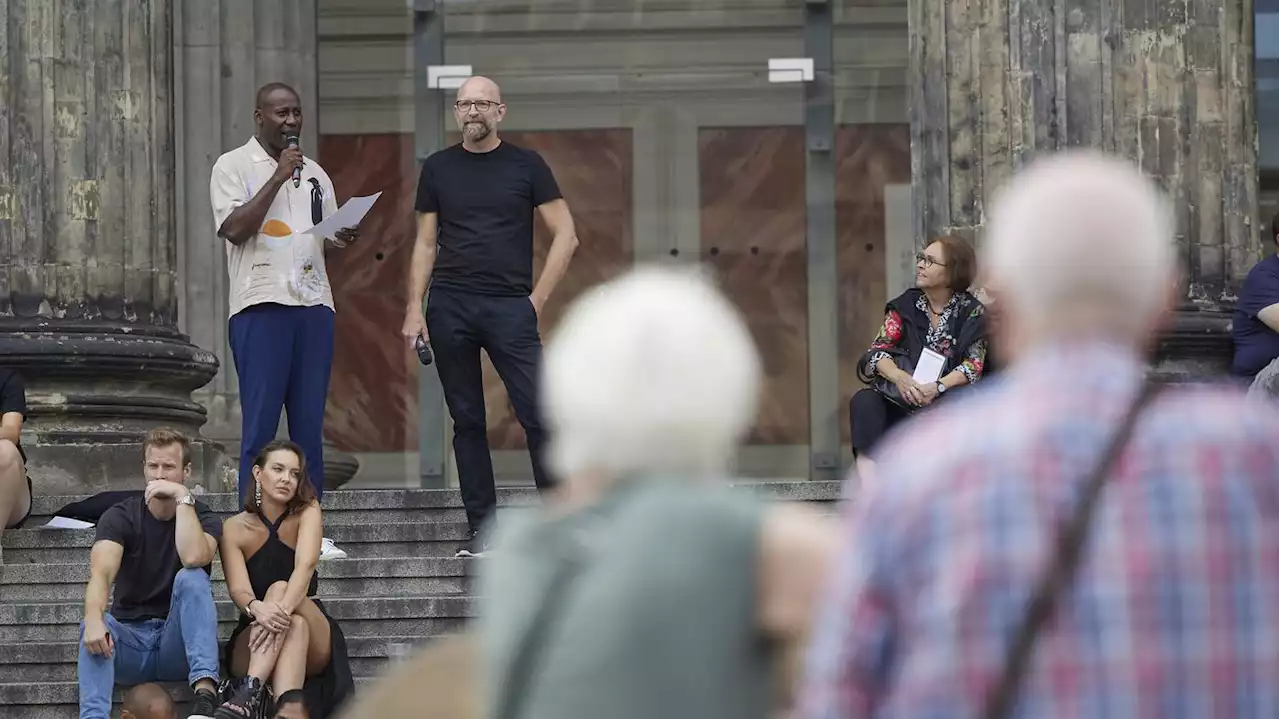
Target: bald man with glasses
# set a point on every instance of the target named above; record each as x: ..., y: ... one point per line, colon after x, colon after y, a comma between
x: 476, y: 205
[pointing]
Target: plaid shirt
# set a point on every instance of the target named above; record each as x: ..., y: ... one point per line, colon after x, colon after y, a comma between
x: 1174, y: 609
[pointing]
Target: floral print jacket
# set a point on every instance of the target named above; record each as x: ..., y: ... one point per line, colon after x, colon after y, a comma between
x: 939, y: 338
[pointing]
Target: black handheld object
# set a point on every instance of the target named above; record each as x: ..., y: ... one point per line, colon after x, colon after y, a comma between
x: 424, y: 350
x: 297, y: 171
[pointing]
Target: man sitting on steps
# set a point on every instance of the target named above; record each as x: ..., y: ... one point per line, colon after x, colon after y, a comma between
x: 157, y: 549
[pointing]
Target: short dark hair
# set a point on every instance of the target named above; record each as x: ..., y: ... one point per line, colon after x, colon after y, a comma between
x: 166, y: 437
x: 305, y: 493
x: 294, y: 696
x: 260, y: 99
x: 960, y: 260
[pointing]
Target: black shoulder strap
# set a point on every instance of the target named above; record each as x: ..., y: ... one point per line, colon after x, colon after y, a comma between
x: 1072, y: 537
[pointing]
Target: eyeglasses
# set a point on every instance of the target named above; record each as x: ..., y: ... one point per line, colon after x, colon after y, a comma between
x: 481, y: 105
x: 928, y: 261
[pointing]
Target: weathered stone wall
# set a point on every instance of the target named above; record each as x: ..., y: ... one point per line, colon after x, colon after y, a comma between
x: 88, y: 301
x: 1168, y: 83
x: 86, y: 127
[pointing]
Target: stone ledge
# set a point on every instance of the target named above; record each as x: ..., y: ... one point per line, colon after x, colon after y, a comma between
x: 71, y: 573
x: 68, y: 693
x: 412, y: 626
x: 329, y: 589
x: 367, y: 499
x: 340, y: 533
x: 68, y: 652
x: 361, y: 608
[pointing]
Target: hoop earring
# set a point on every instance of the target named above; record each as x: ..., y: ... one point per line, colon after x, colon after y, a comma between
x: 257, y: 493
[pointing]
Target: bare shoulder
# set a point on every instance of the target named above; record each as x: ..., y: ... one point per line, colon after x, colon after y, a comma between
x: 238, y: 527
x: 310, y: 514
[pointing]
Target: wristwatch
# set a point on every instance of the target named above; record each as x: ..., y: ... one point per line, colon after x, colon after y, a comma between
x: 189, y: 499
x: 941, y: 387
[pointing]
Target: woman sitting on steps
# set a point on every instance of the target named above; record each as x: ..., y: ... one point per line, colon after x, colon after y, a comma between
x: 269, y: 555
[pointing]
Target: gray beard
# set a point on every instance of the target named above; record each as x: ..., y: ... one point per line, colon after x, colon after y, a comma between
x: 477, y: 131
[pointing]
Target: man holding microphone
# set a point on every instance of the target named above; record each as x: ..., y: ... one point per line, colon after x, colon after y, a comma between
x: 265, y: 195
x: 476, y: 204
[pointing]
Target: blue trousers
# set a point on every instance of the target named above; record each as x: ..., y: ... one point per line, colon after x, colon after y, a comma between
x: 182, y: 646
x: 283, y: 356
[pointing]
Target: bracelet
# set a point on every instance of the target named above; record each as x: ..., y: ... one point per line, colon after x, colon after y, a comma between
x: 248, y: 606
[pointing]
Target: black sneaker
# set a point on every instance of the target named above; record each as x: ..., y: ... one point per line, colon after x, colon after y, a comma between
x: 476, y: 546
x: 245, y: 702
x: 204, y: 706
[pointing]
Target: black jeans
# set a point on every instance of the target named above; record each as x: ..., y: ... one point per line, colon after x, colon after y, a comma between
x: 871, y: 416
x: 460, y: 325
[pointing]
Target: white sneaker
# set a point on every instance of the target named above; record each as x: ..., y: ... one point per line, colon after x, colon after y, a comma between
x: 329, y: 550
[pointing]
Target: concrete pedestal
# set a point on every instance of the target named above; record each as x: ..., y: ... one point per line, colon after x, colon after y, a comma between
x: 88, y: 298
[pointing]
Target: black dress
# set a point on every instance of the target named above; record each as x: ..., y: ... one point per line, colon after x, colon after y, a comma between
x: 272, y: 563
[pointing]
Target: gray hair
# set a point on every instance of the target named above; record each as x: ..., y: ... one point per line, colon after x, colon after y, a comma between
x: 1082, y: 243
x: 653, y: 372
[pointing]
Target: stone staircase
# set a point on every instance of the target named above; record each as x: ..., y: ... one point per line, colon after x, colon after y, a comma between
x: 399, y: 587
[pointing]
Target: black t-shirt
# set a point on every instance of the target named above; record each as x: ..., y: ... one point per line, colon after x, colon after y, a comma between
x: 144, y: 584
x: 13, y: 398
x: 485, y: 203
x: 1255, y: 343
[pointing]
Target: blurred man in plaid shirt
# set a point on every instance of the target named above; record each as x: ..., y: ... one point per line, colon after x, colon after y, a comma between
x: 1173, y: 611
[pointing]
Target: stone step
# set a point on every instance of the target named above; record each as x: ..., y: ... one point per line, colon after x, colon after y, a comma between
x: 360, y: 617
x: 59, y: 700
x: 56, y: 662
x: 432, y: 505
x: 396, y: 577
x: 359, y: 541
x: 371, y: 503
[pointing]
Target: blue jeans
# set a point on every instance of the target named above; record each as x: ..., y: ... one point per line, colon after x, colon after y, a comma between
x: 283, y: 356
x: 185, y: 645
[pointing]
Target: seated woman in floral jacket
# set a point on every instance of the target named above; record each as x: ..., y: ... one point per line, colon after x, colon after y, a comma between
x: 938, y: 314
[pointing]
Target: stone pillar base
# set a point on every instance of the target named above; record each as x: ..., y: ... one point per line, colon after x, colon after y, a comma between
x: 69, y: 463
x: 94, y: 389
x: 1195, y: 347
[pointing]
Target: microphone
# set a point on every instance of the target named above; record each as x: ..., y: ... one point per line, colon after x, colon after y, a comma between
x: 297, y: 171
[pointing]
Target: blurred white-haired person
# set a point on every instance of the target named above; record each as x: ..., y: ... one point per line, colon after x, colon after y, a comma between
x: 653, y: 589
x: 1171, y: 609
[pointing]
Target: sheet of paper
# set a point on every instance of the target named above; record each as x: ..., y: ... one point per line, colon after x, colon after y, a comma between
x: 65, y: 523
x: 349, y: 215
x: 929, y: 368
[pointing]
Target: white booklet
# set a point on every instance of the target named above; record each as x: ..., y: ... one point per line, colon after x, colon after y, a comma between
x: 349, y: 215
x: 67, y: 523
x: 929, y: 368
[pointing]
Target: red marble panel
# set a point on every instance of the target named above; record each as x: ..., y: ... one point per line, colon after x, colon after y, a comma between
x: 868, y: 157
x: 753, y: 232
x: 593, y: 169
x: 751, y: 184
x: 373, y: 396
x: 373, y: 391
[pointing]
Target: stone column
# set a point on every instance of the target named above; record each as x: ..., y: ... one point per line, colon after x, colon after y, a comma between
x: 88, y: 285
x: 223, y: 51
x: 1167, y: 83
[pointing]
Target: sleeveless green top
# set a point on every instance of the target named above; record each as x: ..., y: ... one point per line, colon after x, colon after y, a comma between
x: 659, y: 620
